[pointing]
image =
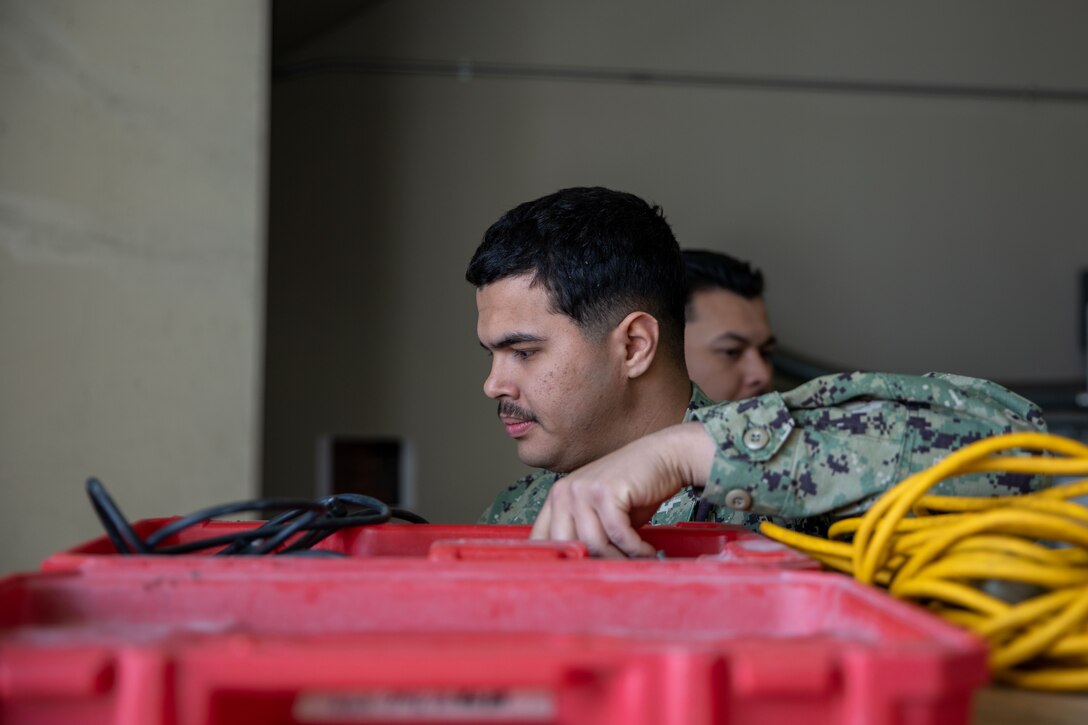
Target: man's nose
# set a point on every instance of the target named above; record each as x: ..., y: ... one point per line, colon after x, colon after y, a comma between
x: 757, y: 372
x: 497, y: 384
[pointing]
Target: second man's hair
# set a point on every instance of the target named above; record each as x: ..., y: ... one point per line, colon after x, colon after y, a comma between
x: 714, y: 270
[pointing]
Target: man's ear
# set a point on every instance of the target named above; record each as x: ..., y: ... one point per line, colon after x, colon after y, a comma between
x: 638, y: 333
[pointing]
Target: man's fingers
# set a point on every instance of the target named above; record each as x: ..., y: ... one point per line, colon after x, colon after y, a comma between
x: 592, y: 515
x: 543, y: 521
x: 592, y: 533
x: 616, y: 525
x: 562, y: 527
x: 555, y: 519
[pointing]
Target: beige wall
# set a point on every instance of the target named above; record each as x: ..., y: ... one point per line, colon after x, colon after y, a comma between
x: 898, y: 232
x: 132, y: 150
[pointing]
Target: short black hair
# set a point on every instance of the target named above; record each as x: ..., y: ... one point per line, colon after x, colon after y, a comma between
x: 600, y: 254
x: 714, y: 270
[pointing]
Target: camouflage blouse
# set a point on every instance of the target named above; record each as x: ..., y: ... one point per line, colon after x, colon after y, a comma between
x: 825, y: 450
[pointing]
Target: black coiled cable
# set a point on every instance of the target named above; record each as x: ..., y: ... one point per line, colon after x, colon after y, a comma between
x: 314, y: 520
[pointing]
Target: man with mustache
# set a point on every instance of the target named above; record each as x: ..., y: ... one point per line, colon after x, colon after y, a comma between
x: 580, y: 298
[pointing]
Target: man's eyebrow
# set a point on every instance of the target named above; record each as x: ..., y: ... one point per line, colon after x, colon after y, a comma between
x: 513, y: 338
x: 772, y: 340
x: 732, y: 336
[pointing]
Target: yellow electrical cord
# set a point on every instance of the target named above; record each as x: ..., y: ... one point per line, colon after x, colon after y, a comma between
x: 1013, y: 569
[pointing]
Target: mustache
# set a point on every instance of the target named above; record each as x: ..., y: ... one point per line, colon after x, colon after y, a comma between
x: 510, y: 410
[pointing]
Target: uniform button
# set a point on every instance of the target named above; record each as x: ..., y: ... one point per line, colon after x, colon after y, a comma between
x: 738, y: 499
x: 756, y: 438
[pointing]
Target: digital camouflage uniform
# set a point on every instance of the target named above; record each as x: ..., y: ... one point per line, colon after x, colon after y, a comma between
x: 825, y: 450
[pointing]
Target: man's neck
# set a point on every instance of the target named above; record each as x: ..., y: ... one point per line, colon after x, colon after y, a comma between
x: 657, y: 402
x: 654, y: 401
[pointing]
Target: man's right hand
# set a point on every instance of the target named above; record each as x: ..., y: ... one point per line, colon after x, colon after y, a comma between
x: 603, y: 503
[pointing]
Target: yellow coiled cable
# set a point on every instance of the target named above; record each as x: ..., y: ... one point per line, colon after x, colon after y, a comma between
x: 1013, y: 569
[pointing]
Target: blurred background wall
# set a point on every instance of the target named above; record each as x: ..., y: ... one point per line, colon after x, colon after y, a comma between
x: 914, y: 206
x: 132, y: 178
x: 909, y: 177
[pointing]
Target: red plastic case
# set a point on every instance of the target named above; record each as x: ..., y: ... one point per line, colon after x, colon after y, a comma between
x: 726, y: 544
x: 407, y: 638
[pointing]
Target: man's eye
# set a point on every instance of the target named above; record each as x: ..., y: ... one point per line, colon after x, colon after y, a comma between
x: 523, y: 354
x: 767, y: 353
x: 733, y: 353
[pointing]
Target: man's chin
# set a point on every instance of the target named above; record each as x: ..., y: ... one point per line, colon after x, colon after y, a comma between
x: 533, y: 457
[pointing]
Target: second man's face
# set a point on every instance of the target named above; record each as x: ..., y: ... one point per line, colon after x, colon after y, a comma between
x: 728, y: 345
x: 558, y: 391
